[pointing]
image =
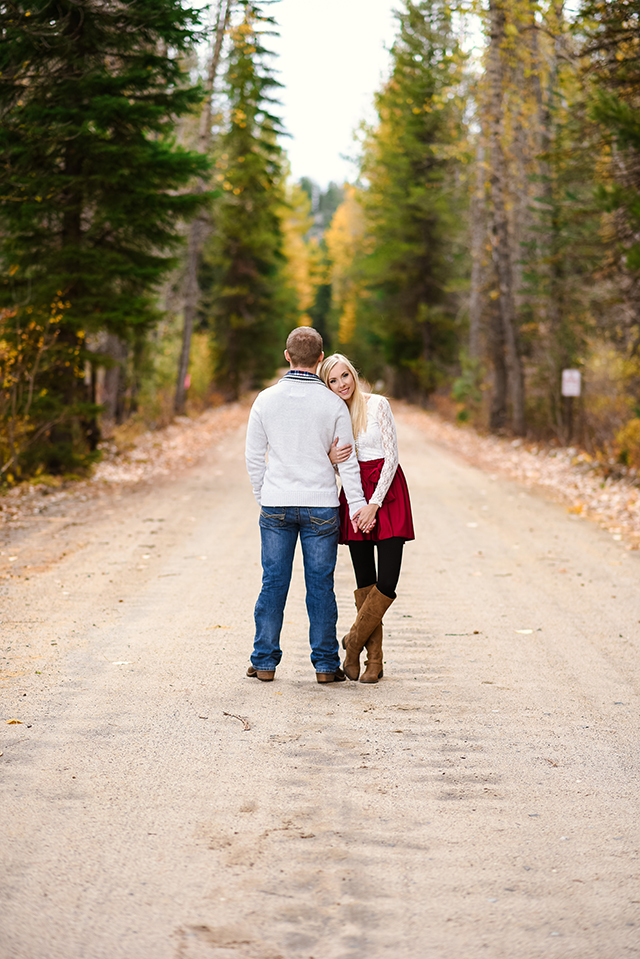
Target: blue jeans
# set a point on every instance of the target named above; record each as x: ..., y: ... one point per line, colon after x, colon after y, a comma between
x: 318, y: 529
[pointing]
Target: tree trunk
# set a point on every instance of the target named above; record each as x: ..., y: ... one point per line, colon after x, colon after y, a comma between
x: 115, y: 379
x: 551, y: 254
x: 478, y: 234
x: 499, y: 408
x: 501, y: 233
x: 191, y: 294
x: 199, y: 227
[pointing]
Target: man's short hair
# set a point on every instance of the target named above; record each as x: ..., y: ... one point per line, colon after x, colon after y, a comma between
x: 304, y: 345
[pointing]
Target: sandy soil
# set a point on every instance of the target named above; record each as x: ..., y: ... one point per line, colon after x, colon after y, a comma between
x: 481, y: 801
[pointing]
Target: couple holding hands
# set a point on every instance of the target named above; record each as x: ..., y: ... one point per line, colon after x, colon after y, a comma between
x: 300, y: 434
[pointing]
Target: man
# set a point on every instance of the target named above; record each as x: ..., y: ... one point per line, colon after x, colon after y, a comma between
x: 296, y: 421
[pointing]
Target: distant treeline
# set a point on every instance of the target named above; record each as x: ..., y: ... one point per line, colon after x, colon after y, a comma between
x: 155, y: 251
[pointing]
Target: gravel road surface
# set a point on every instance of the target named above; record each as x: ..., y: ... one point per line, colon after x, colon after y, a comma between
x: 480, y: 801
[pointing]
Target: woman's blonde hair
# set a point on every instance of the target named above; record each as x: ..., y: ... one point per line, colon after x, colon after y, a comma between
x: 358, y: 404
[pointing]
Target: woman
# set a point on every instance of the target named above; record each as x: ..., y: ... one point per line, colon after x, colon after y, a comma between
x: 385, y: 522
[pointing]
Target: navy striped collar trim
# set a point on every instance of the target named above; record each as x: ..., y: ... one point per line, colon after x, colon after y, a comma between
x: 301, y: 375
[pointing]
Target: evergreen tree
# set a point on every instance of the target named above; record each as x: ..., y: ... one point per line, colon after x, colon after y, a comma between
x: 324, y: 204
x: 614, y: 49
x: 410, y: 202
x: 248, y: 293
x: 561, y: 252
x: 91, y: 185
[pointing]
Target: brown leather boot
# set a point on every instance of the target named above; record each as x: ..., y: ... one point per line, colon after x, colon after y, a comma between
x: 373, y: 671
x: 367, y: 621
x: 351, y: 665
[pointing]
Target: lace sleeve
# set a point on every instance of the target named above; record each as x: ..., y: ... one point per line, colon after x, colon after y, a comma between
x: 390, y: 447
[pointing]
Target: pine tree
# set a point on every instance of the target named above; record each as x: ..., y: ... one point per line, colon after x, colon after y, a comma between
x: 248, y: 297
x: 504, y: 243
x: 200, y: 225
x: 614, y: 48
x: 411, y: 204
x: 91, y: 185
x: 562, y: 248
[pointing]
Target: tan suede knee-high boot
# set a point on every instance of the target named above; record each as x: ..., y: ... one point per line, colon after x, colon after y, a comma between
x: 368, y: 619
x: 360, y: 596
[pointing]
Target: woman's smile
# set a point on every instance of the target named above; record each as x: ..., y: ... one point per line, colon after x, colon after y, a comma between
x: 341, y: 381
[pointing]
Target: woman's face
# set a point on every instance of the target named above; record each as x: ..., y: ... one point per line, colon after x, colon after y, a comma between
x: 341, y: 381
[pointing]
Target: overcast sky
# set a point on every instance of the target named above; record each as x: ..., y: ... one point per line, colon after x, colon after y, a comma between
x: 331, y: 59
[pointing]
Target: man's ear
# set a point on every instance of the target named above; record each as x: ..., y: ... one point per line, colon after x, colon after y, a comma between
x: 286, y: 356
x: 320, y: 358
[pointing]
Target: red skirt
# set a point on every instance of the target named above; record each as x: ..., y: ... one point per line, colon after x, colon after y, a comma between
x: 394, y: 516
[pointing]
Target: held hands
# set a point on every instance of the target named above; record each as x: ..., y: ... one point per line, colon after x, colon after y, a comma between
x: 339, y: 454
x: 365, y: 519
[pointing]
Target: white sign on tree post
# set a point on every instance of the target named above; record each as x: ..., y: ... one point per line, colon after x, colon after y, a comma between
x: 571, y: 382
x: 570, y: 389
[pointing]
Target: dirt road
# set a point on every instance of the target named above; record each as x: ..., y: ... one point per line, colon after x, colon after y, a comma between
x: 481, y: 801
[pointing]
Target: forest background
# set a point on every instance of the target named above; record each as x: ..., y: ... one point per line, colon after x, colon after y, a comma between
x: 156, y: 251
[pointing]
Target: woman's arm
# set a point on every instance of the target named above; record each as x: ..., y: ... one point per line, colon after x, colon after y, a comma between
x: 390, y: 447
x: 349, y: 470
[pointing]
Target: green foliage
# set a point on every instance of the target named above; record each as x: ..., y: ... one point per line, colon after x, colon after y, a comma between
x: 411, y: 203
x: 248, y: 297
x: 621, y: 121
x: 561, y: 253
x: 613, y: 31
x: 91, y: 184
x: 466, y: 389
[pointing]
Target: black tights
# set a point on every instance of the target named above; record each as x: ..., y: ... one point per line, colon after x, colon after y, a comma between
x: 389, y: 563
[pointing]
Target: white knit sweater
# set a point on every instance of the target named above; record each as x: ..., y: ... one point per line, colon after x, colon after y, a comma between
x: 294, y: 423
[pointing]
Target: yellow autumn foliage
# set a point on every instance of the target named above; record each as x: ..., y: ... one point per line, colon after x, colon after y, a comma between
x: 304, y: 271
x: 344, y: 239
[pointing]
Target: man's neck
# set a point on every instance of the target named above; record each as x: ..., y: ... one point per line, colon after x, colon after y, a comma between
x: 303, y: 369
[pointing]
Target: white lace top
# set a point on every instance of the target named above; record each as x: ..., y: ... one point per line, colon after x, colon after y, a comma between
x: 378, y: 442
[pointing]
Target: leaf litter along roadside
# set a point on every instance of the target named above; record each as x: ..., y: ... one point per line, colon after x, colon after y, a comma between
x: 151, y: 455
x: 563, y: 473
